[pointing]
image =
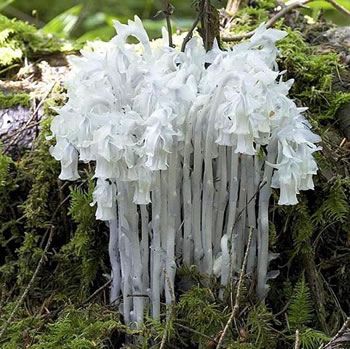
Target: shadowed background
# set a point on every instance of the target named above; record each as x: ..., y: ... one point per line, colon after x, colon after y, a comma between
x: 88, y: 19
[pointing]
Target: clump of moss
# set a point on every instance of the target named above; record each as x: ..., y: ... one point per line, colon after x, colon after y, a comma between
x: 201, y: 311
x: 19, y: 39
x: 93, y: 327
x: 10, y: 100
x: 314, y: 73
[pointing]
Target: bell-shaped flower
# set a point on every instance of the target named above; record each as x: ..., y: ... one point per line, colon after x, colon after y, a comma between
x: 158, y: 139
x: 68, y: 156
x: 105, y: 196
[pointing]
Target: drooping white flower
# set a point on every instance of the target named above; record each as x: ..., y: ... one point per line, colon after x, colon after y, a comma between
x: 105, y: 196
x: 68, y: 156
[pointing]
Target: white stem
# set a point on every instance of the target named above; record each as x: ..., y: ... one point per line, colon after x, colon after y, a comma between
x: 125, y: 253
x: 221, y: 197
x: 239, y: 237
x: 155, y: 250
x: 232, y: 210
x: 114, y: 257
x: 136, y: 264
x: 171, y: 231
x: 164, y: 225
x: 187, y: 197
x: 207, y: 203
x: 251, y: 211
x: 263, y: 223
x: 178, y: 207
x: 145, y: 248
x: 208, y: 180
x: 196, y: 180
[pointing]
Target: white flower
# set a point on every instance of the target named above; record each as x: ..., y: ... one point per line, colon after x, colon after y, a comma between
x: 68, y: 155
x: 159, y: 139
x: 105, y: 196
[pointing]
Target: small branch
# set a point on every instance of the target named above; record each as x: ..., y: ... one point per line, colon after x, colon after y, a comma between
x: 230, y: 12
x: 168, y: 11
x: 282, y: 13
x: 232, y: 7
x: 99, y: 290
x: 29, y: 286
x: 339, y: 7
x: 205, y: 24
x: 189, y: 35
x: 239, y: 290
x: 269, y: 23
x: 297, y: 340
x: 189, y: 329
x: 344, y: 328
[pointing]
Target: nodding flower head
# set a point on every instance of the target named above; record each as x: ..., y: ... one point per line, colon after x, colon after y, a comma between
x: 105, y: 196
x: 68, y: 156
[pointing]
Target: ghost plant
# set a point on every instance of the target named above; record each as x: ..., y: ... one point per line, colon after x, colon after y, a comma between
x: 187, y: 147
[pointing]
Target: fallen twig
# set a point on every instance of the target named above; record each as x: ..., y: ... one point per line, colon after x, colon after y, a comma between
x: 232, y: 8
x: 239, y: 290
x: 99, y: 290
x: 344, y: 328
x: 189, y: 329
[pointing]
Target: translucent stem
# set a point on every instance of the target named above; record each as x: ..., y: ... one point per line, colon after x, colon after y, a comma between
x: 232, y: 209
x: 221, y: 179
x: 125, y: 253
x: 196, y: 180
x: 155, y: 250
x: 251, y: 211
x: 114, y: 257
x: 145, y: 248
x: 240, y: 229
x: 171, y: 231
x: 187, y: 198
x: 263, y: 223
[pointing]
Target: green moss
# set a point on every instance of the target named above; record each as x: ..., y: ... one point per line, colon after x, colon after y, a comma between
x: 201, y: 311
x: 314, y: 72
x: 247, y: 19
x: 19, y: 39
x: 260, y: 323
x: 74, y: 328
x: 11, y: 100
x: 338, y: 100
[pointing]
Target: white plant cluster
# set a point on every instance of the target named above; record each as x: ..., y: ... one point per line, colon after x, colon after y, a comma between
x: 187, y: 146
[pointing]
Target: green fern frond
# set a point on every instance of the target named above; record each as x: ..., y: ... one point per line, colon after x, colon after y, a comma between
x: 80, y: 208
x: 312, y: 339
x: 300, y: 311
x: 303, y: 229
x: 335, y: 208
x: 260, y: 325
